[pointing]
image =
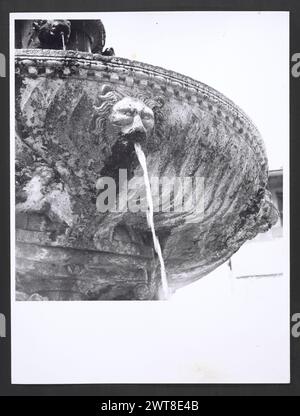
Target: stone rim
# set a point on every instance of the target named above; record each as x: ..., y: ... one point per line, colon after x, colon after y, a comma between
x: 84, y: 65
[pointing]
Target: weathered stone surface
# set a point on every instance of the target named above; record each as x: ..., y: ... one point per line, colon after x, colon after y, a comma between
x: 82, y: 35
x: 67, y: 139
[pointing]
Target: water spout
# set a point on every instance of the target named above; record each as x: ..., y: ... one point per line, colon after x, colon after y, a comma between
x: 150, y: 219
x: 63, y: 41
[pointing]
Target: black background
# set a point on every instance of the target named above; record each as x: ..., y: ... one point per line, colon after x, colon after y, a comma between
x: 6, y: 389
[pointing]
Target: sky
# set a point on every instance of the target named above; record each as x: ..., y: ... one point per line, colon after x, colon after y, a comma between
x: 244, y: 55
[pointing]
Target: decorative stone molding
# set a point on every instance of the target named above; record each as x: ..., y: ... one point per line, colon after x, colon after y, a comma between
x: 120, y: 70
x: 66, y: 138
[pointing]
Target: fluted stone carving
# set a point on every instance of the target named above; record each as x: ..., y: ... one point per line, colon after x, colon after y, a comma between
x: 70, y: 134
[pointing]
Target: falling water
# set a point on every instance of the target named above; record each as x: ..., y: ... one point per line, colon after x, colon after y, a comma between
x: 63, y: 41
x: 150, y: 219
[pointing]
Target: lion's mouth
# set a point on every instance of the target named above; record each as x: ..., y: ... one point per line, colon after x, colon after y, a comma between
x: 132, y: 137
x: 122, y: 156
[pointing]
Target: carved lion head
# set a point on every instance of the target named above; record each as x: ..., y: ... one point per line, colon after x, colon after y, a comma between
x: 130, y: 119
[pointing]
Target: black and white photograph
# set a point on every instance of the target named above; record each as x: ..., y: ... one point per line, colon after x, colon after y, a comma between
x: 149, y: 208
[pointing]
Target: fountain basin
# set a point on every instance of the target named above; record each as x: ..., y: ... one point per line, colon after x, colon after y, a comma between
x: 68, y: 130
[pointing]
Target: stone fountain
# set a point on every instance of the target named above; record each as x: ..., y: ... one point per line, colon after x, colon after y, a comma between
x: 79, y: 111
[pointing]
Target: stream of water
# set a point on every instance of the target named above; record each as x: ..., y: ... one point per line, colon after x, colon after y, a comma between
x: 150, y: 219
x: 63, y: 41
